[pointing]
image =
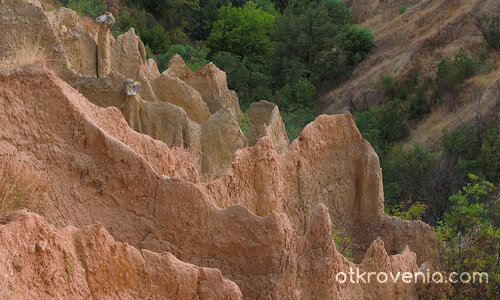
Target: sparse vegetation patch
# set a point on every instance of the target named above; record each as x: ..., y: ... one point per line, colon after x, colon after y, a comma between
x: 20, y: 187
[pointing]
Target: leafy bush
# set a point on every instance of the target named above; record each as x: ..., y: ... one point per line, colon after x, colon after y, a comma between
x: 411, y: 174
x: 355, y: 42
x: 383, y: 125
x: 413, y: 213
x: 402, y: 9
x: 471, y: 151
x: 469, y: 239
x: 295, y: 119
x: 295, y: 102
x: 92, y: 8
x: 248, y: 76
x: 342, y: 244
x: 451, y: 74
x: 243, y: 122
x: 487, y: 163
x: 194, y: 58
x: 490, y: 28
x: 146, y: 27
x: 386, y: 84
x: 305, y: 36
x: 419, y: 106
x: 243, y: 31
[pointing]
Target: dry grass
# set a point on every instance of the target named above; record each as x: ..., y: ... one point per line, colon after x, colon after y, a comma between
x: 20, y: 187
x: 184, y: 155
x: 88, y: 25
x: 24, y: 51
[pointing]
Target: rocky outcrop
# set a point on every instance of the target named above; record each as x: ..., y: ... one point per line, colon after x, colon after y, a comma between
x: 104, y: 43
x: 128, y: 57
x: 174, y: 90
x: 150, y: 196
x: 329, y: 163
x: 221, y: 137
x: 213, y: 143
x: 265, y: 120
x: 262, y: 215
x: 25, y: 26
x: 172, y: 107
x: 210, y: 82
x: 128, y: 54
x: 75, y: 41
x: 41, y: 262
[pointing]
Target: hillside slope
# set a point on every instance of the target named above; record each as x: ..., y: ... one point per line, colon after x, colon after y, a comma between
x: 417, y: 39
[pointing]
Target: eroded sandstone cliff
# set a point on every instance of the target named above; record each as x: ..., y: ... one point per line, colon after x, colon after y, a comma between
x: 257, y: 209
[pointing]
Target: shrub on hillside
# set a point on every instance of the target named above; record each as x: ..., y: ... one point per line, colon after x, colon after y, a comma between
x: 412, y: 174
x: 194, y: 57
x: 450, y: 74
x: 418, y: 107
x: 92, y: 8
x: 490, y: 28
x: 355, y: 42
x: 402, y: 9
x: 469, y: 241
x: 386, y: 84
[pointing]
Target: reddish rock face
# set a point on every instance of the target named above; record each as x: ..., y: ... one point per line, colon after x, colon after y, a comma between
x: 259, y: 220
x: 88, y: 263
x: 150, y: 196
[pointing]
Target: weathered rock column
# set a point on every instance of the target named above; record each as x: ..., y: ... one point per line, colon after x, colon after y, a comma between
x: 103, y: 44
x: 131, y: 105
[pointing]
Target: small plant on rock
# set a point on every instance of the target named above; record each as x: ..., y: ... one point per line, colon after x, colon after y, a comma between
x: 342, y: 244
x: 243, y: 122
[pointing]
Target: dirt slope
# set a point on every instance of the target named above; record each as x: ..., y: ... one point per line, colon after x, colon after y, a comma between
x: 428, y: 31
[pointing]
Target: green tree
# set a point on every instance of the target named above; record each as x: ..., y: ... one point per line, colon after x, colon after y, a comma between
x: 243, y: 31
x: 469, y: 241
x: 305, y: 36
x: 473, y: 149
x: 412, y: 176
x: 248, y: 76
x: 354, y: 42
x: 451, y: 74
x: 194, y: 57
x: 92, y: 8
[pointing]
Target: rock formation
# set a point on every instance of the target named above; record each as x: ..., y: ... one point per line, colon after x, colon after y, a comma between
x: 329, y: 163
x: 174, y: 90
x: 221, y: 137
x: 103, y: 44
x: 210, y: 82
x: 150, y: 196
x: 75, y: 41
x: 259, y: 216
x: 265, y: 120
x: 38, y: 261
